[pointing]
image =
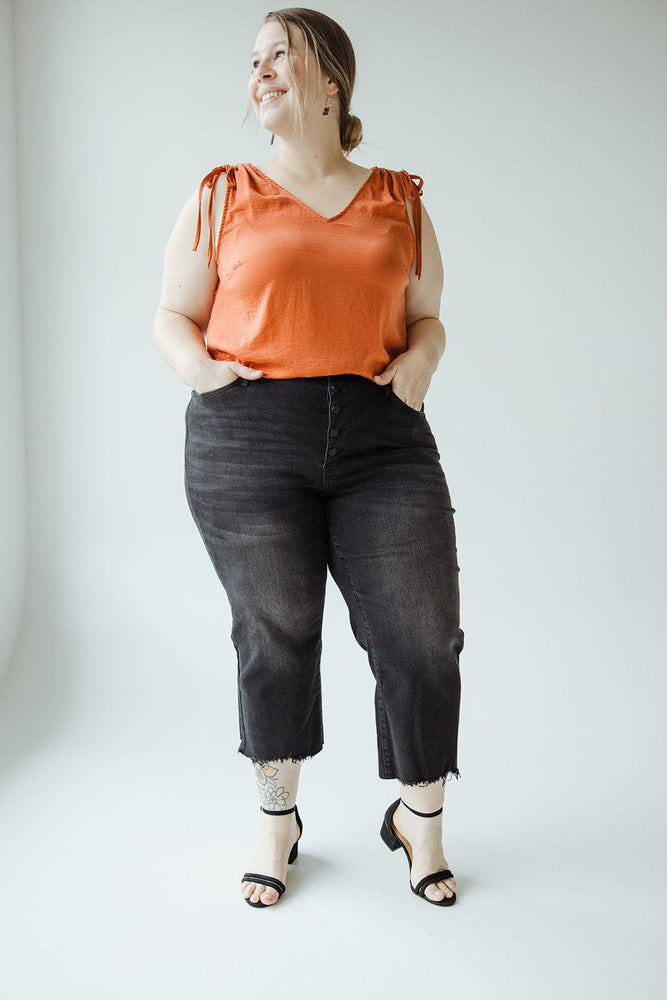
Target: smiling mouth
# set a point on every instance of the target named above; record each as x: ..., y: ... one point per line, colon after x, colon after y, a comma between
x: 271, y: 95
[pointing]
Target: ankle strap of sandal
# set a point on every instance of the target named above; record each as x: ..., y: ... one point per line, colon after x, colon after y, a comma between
x: 278, y: 812
x: 425, y: 815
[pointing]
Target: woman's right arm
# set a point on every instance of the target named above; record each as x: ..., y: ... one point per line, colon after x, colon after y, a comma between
x: 188, y: 291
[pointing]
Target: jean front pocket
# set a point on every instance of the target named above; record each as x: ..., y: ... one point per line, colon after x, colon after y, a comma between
x: 391, y: 395
x: 220, y: 390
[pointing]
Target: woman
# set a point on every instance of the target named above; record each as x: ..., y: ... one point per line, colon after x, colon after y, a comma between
x: 307, y: 447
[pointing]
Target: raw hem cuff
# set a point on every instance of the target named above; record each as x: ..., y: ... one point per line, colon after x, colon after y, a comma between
x: 266, y: 758
x: 446, y: 776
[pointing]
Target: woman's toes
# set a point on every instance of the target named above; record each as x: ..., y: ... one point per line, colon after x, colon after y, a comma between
x: 441, y: 890
x: 447, y: 888
x: 435, y: 891
x: 258, y: 893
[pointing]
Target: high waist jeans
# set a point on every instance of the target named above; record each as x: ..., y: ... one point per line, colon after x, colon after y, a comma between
x: 287, y: 478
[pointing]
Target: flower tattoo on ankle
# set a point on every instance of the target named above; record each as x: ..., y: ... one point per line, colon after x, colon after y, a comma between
x: 272, y: 796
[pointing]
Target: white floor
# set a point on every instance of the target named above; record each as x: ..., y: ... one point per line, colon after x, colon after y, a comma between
x: 127, y: 820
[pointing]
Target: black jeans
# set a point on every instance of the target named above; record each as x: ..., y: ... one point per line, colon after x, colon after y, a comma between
x: 288, y: 477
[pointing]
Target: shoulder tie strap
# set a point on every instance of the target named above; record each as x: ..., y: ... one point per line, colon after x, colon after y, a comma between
x: 414, y: 188
x: 210, y: 181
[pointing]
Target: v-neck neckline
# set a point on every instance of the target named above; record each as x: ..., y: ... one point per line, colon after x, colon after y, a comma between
x: 324, y: 218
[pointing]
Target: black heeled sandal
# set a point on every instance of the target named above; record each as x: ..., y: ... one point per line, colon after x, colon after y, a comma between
x: 268, y: 880
x: 393, y: 842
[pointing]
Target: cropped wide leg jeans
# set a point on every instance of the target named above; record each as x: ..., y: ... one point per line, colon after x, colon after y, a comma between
x: 289, y: 478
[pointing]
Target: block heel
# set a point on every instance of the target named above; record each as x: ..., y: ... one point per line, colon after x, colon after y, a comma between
x: 294, y: 853
x: 387, y: 831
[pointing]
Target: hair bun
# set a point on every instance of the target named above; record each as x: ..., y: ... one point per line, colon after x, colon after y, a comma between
x: 351, y: 132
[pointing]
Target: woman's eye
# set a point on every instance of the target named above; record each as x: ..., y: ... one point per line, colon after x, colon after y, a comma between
x: 255, y: 62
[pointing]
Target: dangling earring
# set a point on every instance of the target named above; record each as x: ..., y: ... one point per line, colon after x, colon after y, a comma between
x: 272, y: 138
x: 327, y: 106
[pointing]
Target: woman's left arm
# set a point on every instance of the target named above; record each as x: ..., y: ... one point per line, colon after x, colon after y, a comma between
x: 410, y: 373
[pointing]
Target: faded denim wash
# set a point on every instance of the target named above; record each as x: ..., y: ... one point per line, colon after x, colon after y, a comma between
x: 289, y: 478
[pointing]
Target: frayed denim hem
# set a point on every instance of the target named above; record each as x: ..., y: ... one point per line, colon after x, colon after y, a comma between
x: 447, y: 776
x: 278, y: 760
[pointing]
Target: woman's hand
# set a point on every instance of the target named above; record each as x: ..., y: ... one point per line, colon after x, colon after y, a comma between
x: 211, y: 374
x: 410, y: 375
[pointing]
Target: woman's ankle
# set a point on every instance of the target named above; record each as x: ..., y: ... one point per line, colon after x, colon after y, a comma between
x: 277, y: 783
x: 427, y: 798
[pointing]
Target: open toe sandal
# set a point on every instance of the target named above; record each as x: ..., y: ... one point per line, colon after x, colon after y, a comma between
x: 393, y: 842
x: 268, y: 880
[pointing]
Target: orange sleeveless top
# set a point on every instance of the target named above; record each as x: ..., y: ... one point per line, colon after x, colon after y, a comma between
x: 301, y: 295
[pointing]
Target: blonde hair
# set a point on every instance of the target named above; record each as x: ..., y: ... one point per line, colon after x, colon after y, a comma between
x: 334, y: 56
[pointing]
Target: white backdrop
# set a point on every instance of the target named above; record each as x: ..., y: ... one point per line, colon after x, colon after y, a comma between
x: 539, y: 129
x: 12, y: 484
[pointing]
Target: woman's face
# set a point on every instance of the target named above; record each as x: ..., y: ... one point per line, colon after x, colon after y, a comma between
x: 272, y: 87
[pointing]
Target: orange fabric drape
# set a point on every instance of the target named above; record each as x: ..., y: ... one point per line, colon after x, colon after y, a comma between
x: 303, y: 295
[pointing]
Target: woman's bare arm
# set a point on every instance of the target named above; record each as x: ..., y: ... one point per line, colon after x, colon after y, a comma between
x: 188, y: 291
x: 410, y: 373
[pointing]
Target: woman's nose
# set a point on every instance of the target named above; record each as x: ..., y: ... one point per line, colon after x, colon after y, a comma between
x: 264, y: 71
